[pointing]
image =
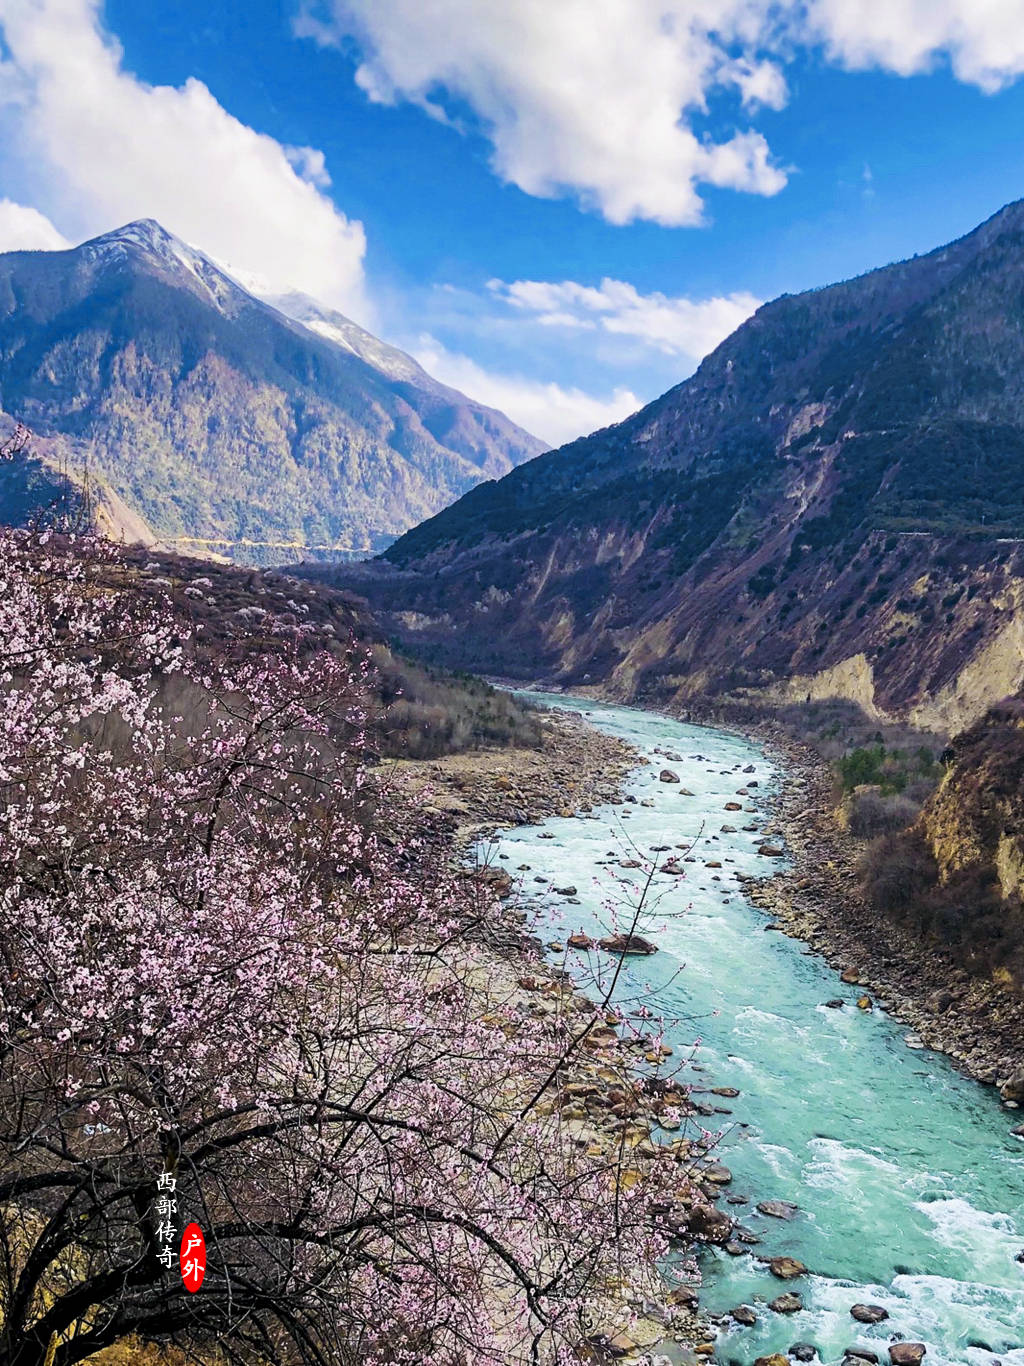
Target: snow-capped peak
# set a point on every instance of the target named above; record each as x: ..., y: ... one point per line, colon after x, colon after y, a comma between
x: 148, y: 237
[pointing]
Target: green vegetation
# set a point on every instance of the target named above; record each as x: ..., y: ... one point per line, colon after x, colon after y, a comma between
x: 891, y: 770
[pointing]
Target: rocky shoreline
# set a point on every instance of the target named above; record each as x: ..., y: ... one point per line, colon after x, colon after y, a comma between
x: 480, y: 791
x: 818, y: 900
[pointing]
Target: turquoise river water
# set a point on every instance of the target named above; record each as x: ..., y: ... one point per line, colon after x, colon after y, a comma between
x: 909, y: 1181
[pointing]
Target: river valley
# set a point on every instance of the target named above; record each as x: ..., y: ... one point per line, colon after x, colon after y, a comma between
x: 908, y: 1178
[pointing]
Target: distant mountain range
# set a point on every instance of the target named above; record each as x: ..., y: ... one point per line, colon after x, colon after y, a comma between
x: 213, y: 421
x: 833, y: 505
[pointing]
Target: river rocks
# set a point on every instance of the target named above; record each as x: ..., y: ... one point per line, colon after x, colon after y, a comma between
x: 711, y: 1224
x: 733, y: 806
x: 803, y: 1351
x: 744, y: 1314
x: 868, y: 1313
x: 850, y: 975
x: 774, y: 1360
x: 717, y: 1174
x: 729, y: 1092
x: 778, y: 1209
x: 627, y: 944
x: 685, y: 792
x: 565, y: 891
x: 786, y: 1268
x: 907, y: 1353
x: 728, y: 829
x: 789, y: 1303
x: 496, y: 879
x: 750, y: 769
x: 1013, y: 1088
x: 863, y: 1002
x: 859, y: 1356
x: 667, y: 776
x: 771, y: 851
x: 580, y: 941
x: 835, y: 1004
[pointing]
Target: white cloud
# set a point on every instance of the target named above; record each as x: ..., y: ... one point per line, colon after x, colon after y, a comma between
x: 677, y: 326
x: 551, y: 411
x: 100, y: 147
x: 577, y: 96
x: 982, y: 39
x: 26, y: 229
x: 598, y: 98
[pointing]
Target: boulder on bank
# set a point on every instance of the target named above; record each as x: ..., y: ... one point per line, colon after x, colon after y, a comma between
x: 627, y: 943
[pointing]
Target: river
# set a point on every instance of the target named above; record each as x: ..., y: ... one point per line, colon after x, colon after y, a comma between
x: 909, y: 1181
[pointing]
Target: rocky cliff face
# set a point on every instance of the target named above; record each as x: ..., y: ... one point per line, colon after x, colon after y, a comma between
x: 833, y: 505
x: 217, y: 421
x: 973, y: 827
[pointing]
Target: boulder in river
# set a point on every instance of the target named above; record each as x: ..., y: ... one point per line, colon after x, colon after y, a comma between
x: 565, y: 891
x: 667, y: 776
x: 907, y: 1353
x: 776, y: 1359
x: 789, y: 1303
x: 744, y: 1314
x: 1013, y: 1087
x: 580, y: 941
x: 778, y: 1209
x: 733, y: 806
x: 869, y: 1313
x: 771, y: 851
x: 786, y: 1268
x: 803, y: 1351
x: 627, y: 943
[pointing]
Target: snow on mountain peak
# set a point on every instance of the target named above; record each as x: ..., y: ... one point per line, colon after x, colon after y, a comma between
x: 150, y: 238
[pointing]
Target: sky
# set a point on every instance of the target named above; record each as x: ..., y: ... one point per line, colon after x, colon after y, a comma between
x: 558, y: 206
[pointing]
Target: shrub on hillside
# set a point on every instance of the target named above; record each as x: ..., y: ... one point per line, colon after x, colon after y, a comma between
x: 897, y: 871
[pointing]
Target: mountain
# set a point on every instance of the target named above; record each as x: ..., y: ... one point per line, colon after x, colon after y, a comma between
x: 832, y: 505
x: 221, y: 423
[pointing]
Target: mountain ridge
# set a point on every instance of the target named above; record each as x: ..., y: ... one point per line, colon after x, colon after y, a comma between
x: 217, y: 419
x: 832, y: 505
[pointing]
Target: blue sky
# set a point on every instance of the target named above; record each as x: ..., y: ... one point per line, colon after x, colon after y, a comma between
x: 558, y: 205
